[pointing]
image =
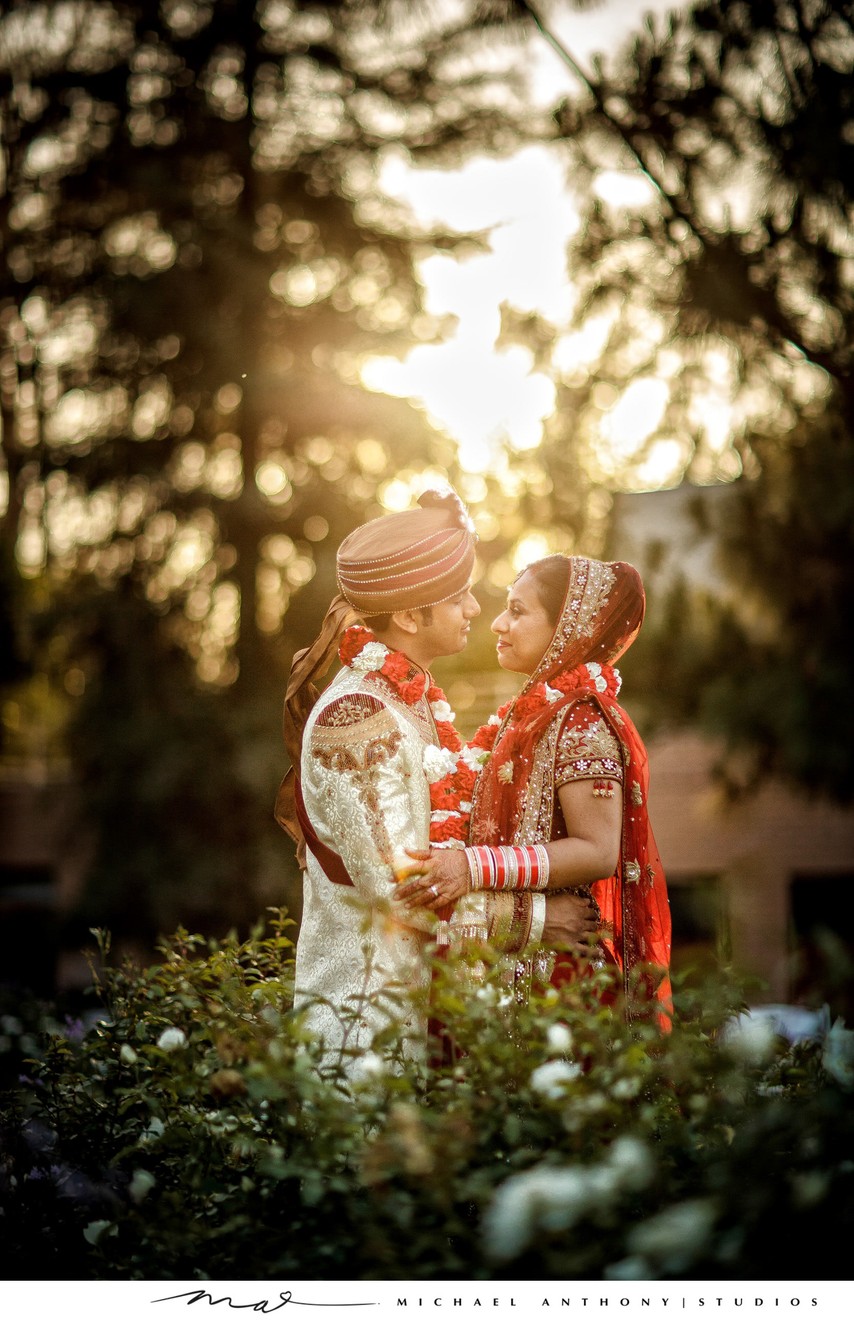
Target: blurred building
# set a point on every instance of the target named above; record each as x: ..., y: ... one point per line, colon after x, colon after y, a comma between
x: 767, y: 881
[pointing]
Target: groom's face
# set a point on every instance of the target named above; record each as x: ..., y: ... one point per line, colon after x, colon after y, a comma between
x: 449, y: 623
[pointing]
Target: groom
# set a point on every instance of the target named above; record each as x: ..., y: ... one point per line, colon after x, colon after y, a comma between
x: 360, y: 800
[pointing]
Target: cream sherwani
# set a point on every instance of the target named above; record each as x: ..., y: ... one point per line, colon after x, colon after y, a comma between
x: 367, y: 796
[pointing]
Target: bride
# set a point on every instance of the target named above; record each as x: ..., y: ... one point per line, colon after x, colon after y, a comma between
x: 557, y: 780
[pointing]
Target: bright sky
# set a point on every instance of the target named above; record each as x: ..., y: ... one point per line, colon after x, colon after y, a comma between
x: 482, y: 395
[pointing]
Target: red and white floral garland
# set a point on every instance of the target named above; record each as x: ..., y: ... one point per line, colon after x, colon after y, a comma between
x: 452, y: 769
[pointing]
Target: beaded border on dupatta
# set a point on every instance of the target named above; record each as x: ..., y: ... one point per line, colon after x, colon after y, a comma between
x: 590, y: 583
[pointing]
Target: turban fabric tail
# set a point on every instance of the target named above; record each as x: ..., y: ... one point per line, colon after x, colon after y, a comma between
x: 309, y: 665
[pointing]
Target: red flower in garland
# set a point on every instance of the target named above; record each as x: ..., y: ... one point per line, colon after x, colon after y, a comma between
x: 444, y: 796
x: 484, y: 737
x: 465, y: 780
x: 411, y: 690
x: 571, y: 679
x: 448, y: 736
x: 453, y: 828
x: 396, y: 667
x: 530, y: 703
x: 352, y: 642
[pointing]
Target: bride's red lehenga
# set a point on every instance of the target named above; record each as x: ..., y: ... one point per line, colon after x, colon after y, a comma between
x: 565, y: 739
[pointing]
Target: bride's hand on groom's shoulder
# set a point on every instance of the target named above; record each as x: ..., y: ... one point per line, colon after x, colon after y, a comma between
x: 443, y: 877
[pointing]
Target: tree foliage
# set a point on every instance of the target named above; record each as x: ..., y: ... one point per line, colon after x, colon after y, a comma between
x: 721, y: 299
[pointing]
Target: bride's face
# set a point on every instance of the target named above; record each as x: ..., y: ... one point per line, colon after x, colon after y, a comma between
x: 524, y: 629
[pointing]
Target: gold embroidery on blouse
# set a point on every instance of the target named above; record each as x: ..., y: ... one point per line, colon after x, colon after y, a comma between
x: 587, y: 752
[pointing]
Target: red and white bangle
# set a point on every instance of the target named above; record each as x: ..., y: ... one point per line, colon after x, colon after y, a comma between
x: 508, y: 867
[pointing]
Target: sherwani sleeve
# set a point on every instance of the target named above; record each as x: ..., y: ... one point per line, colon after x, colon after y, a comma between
x: 367, y: 794
x: 506, y: 920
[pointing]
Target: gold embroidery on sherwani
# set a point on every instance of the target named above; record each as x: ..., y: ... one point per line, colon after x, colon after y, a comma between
x: 355, y: 734
x: 417, y: 714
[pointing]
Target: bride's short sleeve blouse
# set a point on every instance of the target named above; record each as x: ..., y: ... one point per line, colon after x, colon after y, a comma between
x: 587, y: 748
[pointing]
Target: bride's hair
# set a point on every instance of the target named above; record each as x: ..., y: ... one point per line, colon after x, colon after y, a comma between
x: 551, y: 576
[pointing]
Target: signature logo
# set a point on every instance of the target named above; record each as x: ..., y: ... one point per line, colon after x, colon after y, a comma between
x: 258, y: 1305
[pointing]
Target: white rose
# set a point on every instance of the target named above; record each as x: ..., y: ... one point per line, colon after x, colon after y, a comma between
x: 750, y: 1038
x: 141, y: 1184
x: 559, y: 1038
x: 632, y: 1161
x: 837, y: 1056
x: 438, y: 762
x: 594, y: 669
x: 552, y: 695
x: 683, y: 1229
x: 549, y: 1080
x: 372, y: 657
x: 601, y: 683
x: 442, y: 711
x: 171, y: 1039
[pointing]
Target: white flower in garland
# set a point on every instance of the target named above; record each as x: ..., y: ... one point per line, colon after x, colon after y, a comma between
x: 373, y: 656
x: 475, y: 758
x: 442, y: 712
x: 595, y: 671
x: 438, y: 762
x: 552, y: 695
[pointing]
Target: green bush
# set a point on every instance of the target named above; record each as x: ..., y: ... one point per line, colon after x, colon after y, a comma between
x: 193, y: 1133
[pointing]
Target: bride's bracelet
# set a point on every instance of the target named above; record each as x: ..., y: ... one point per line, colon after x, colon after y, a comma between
x: 508, y: 867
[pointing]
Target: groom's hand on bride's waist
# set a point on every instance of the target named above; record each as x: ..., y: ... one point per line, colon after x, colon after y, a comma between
x: 571, y: 920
